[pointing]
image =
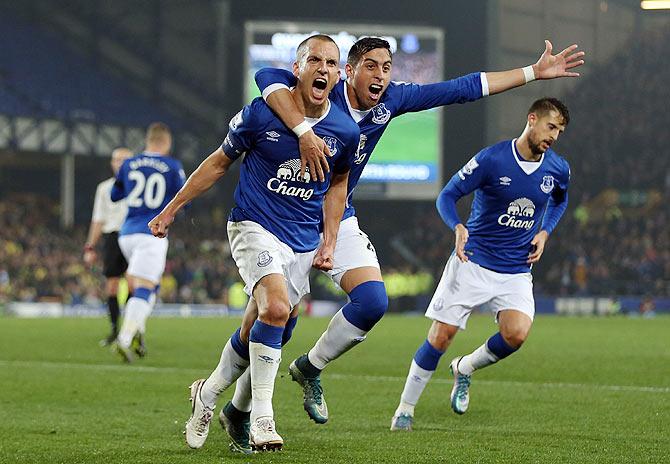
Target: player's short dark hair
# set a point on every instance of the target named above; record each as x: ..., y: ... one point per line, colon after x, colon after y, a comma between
x: 545, y: 105
x: 364, y: 45
x: 303, y: 45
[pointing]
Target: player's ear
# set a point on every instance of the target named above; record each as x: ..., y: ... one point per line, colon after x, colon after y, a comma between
x: 349, y: 71
x: 296, y: 69
x: 532, y: 119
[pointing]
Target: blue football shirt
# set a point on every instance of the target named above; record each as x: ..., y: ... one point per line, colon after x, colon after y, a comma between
x: 398, y: 99
x: 270, y: 191
x: 149, y: 181
x: 510, y: 200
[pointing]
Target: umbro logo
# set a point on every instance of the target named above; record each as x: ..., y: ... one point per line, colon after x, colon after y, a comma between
x: 505, y: 180
x: 273, y: 136
x: 268, y: 359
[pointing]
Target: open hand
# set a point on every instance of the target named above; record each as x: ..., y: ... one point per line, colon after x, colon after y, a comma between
x: 537, y: 245
x: 313, y: 155
x: 550, y: 66
x: 461, y: 239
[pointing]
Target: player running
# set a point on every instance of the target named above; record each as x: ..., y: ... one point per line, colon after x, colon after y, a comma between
x: 372, y: 100
x: 521, y: 192
x: 147, y: 181
x: 274, y: 234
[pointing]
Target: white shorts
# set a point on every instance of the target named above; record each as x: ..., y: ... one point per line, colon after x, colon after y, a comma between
x: 258, y: 253
x: 353, y: 249
x: 145, y: 254
x: 465, y: 286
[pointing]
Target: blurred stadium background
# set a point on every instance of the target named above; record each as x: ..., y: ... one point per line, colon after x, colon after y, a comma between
x: 80, y: 77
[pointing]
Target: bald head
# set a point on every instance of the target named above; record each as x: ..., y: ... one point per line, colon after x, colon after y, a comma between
x: 119, y: 155
x: 303, y: 49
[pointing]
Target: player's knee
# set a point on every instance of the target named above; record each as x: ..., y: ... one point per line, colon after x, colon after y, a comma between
x: 515, y: 336
x: 440, y: 335
x: 275, y: 313
x: 368, y: 305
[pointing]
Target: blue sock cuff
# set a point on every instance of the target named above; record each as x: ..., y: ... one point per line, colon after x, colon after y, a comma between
x: 142, y: 293
x: 288, y: 330
x: 427, y: 356
x: 499, y: 347
x: 239, y: 346
x: 367, y: 306
x: 268, y: 335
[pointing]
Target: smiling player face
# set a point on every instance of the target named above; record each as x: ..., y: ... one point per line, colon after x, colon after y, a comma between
x: 544, y: 130
x: 370, y: 77
x: 317, y: 70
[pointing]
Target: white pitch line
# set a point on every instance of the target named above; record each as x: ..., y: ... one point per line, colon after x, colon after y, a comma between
x: 514, y: 383
x: 367, y: 378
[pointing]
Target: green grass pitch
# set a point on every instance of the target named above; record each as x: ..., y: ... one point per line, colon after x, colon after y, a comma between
x: 581, y: 390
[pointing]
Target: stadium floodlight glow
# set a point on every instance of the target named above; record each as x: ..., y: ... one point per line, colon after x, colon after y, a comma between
x: 655, y: 4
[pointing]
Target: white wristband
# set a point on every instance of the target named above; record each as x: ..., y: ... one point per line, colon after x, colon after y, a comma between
x: 301, y: 128
x: 528, y: 73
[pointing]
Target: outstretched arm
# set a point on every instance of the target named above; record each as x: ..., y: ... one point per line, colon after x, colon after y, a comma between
x: 333, y: 209
x: 548, y: 66
x: 209, y: 171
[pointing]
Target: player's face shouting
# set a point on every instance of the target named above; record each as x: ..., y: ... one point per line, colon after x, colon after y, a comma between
x: 370, y: 77
x: 318, y: 71
x: 544, y: 131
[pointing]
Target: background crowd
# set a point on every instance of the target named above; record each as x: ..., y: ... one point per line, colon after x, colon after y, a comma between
x: 613, y: 240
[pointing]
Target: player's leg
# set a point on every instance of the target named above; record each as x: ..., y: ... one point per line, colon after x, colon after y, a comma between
x: 265, y: 338
x: 235, y: 415
x: 137, y: 310
x: 459, y: 290
x: 139, y: 340
x: 515, y: 308
x: 114, y: 265
x: 423, y: 365
x: 514, y: 327
x: 357, y: 272
x: 146, y: 256
x: 111, y: 291
x: 348, y: 327
x: 233, y: 362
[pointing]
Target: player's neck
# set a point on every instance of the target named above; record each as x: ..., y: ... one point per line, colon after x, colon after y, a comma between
x: 156, y: 148
x: 523, y: 148
x: 351, y: 96
x: 307, y: 108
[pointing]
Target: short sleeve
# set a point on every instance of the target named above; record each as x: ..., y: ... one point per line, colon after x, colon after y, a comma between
x: 240, y: 133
